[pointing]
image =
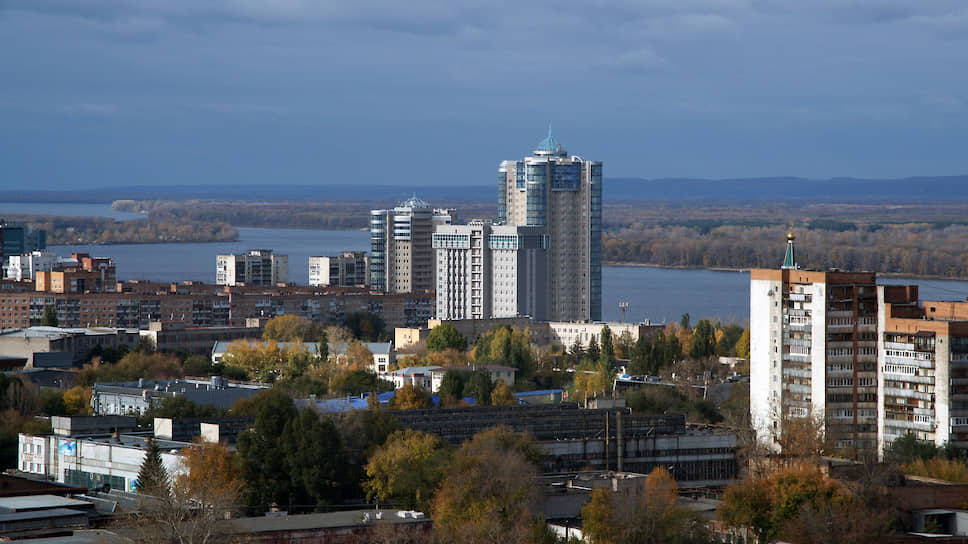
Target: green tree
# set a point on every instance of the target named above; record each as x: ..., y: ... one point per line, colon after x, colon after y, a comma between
x: 452, y: 384
x: 607, y: 355
x: 263, y: 459
x: 153, y: 478
x: 356, y: 382
x: 479, y: 386
x: 908, y: 448
x: 50, y: 317
x: 312, y: 457
x: 407, y: 468
x: 593, y: 353
x: 703, y: 340
x: 368, y: 327
x: 576, y: 352
x: 323, y: 340
x: 445, y: 336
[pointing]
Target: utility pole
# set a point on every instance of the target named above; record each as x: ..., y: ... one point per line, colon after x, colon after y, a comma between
x: 624, y: 306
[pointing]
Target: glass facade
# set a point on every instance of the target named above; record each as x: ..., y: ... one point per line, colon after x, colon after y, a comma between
x: 595, y: 241
x: 378, y: 250
x: 566, y: 176
x: 537, y: 206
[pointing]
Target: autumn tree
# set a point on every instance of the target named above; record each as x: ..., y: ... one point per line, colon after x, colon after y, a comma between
x: 153, y: 477
x: 501, y: 395
x: 703, y: 340
x: 653, y: 516
x: 591, y: 379
x: 200, y: 497
x: 357, y: 357
x: 742, y: 347
x: 365, y: 326
x: 287, y: 328
x: 77, y: 401
x: 410, y: 397
x: 593, y: 352
x: 407, y: 468
x: 487, y: 493
x: 767, y: 505
x: 445, y: 336
x: 576, y: 352
x: 504, y: 345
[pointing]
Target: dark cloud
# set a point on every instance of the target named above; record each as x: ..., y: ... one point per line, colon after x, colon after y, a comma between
x: 798, y: 83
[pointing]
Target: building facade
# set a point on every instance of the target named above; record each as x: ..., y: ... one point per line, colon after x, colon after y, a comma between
x: 401, y: 252
x: 254, y: 267
x: 923, y: 355
x: 349, y: 269
x: 137, y: 304
x: 17, y: 239
x: 564, y: 195
x: 463, y: 271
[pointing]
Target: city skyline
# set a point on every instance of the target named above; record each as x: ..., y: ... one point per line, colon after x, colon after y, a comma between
x: 133, y: 93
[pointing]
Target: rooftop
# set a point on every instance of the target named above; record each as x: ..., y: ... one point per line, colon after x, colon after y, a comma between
x: 351, y: 518
x: 60, y: 332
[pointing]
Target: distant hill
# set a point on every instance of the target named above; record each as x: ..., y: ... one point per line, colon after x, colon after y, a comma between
x: 925, y: 188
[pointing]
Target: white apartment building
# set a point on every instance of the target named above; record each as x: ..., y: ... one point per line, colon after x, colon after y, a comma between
x: 489, y: 271
x: 463, y: 270
x: 349, y: 269
x: 564, y: 195
x: 254, y: 267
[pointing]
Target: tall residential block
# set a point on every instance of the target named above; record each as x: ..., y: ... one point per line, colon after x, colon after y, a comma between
x: 564, y: 195
x: 401, y: 252
x: 813, y: 352
x: 923, y: 354
x: 254, y: 267
x: 486, y: 271
x: 349, y: 269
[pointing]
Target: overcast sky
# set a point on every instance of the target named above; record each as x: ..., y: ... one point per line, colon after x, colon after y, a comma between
x: 130, y: 92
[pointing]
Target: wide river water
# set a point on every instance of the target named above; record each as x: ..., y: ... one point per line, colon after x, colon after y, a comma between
x: 656, y: 294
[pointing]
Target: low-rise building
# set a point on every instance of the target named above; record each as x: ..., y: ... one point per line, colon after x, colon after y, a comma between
x: 60, y: 347
x: 177, y: 336
x: 128, y: 398
x: 496, y: 372
x: 94, y: 451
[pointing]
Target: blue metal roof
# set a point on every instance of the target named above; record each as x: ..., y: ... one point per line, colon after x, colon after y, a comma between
x: 539, y: 392
x: 549, y: 143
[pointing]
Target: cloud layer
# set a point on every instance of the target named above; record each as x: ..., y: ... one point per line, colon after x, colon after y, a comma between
x: 234, y: 91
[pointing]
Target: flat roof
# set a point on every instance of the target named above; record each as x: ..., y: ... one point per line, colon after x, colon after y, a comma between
x: 350, y: 518
x: 38, y: 502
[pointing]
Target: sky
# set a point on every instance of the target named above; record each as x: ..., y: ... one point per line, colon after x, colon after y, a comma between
x: 97, y: 93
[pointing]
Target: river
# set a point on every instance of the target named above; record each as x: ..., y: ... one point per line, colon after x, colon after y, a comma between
x: 659, y: 295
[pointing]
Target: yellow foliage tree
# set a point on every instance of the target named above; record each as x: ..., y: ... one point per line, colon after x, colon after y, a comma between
x: 77, y: 401
x: 501, y: 395
x: 410, y: 397
x: 286, y: 328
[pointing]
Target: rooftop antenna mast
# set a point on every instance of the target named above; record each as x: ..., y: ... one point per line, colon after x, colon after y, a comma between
x: 624, y: 306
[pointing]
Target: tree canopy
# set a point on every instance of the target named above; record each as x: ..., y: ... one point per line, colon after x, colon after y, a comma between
x: 445, y: 336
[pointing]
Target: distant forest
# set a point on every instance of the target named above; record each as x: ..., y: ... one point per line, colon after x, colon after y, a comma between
x: 914, y: 239
x: 103, y: 230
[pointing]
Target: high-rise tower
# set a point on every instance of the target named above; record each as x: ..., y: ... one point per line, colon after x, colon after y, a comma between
x: 401, y: 255
x: 563, y: 194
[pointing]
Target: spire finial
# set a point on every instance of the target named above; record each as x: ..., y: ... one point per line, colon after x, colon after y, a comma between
x: 789, y: 259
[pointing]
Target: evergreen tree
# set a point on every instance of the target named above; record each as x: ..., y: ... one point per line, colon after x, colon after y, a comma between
x: 607, y: 356
x: 153, y: 478
x: 576, y: 352
x: 479, y: 386
x: 323, y: 345
x: 593, y: 353
x: 50, y: 317
x: 452, y: 384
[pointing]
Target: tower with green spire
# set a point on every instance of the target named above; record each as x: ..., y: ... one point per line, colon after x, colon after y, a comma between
x: 789, y: 261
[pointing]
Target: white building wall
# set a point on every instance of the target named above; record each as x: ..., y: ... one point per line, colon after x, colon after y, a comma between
x: 319, y: 271
x: 881, y: 359
x: 766, y: 320
x: 818, y: 349
x: 942, y: 397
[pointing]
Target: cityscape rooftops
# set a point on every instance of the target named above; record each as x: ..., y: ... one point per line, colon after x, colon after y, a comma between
x: 54, y: 333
